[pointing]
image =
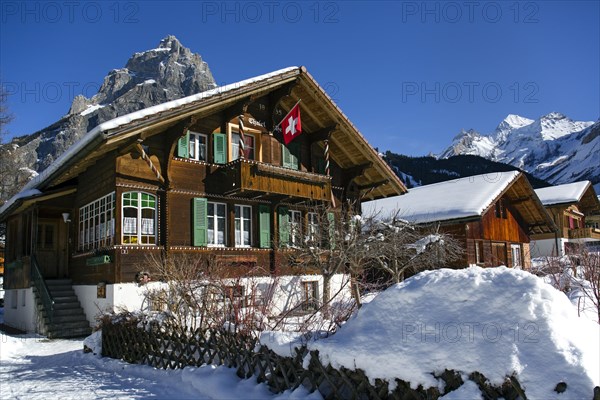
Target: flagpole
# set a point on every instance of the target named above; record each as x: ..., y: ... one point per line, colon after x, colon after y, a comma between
x: 286, y: 115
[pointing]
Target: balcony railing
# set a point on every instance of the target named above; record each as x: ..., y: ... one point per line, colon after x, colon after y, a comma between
x: 584, y: 233
x: 247, y: 178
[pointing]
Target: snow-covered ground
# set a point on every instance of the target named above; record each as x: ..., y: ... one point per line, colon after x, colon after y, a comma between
x: 497, y: 321
x: 33, y: 367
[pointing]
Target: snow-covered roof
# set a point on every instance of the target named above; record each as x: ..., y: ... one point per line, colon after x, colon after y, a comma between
x: 567, y: 193
x: 450, y: 200
x: 103, y: 129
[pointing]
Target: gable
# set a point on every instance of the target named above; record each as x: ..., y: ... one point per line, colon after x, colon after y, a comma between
x: 321, y: 119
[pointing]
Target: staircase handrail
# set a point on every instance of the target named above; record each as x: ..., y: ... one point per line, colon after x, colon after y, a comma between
x: 42, y: 288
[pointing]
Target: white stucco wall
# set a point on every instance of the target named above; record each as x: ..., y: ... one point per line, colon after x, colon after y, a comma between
x: 287, y: 293
x: 19, y: 309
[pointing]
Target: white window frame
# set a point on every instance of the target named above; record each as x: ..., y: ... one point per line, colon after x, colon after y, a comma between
x: 234, y: 151
x: 312, y: 228
x: 243, y: 224
x: 195, y: 146
x: 97, y: 223
x: 139, y: 237
x: 295, y: 227
x: 214, y: 219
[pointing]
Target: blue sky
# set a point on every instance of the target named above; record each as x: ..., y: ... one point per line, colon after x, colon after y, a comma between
x: 409, y: 74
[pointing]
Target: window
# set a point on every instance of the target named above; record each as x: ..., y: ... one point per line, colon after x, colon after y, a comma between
x: 310, y: 292
x: 139, y: 218
x: 234, y: 296
x: 197, y: 147
x: 216, y: 216
x: 235, y: 146
x: 313, y: 227
x: 515, y: 250
x: 290, y: 155
x: 295, y: 228
x: 192, y: 145
x: 243, y: 226
x: 97, y: 223
x: 479, y: 252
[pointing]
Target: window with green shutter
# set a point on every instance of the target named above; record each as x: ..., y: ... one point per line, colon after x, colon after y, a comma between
x: 290, y: 155
x: 284, y: 226
x: 183, y: 149
x: 220, y: 148
x: 264, y: 226
x: 199, y: 220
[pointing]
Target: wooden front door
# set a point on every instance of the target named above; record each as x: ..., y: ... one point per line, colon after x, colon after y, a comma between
x: 498, y: 254
x: 47, y: 248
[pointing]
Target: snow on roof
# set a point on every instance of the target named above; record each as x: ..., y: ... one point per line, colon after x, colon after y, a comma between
x: 567, y: 193
x: 497, y: 321
x: 131, y: 117
x: 458, y: 198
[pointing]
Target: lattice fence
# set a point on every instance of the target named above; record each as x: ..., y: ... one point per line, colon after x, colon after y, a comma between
x: 173, y: 347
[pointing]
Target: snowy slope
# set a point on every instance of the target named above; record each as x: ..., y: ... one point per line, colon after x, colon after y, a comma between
x: 553, y: 147
x: 497, y: 321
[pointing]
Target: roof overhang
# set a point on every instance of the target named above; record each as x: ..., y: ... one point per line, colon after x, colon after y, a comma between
x: 348, y: 146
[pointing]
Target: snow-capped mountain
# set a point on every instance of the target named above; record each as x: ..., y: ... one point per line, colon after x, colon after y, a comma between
x: 553, y: 147
x: 155, y: 76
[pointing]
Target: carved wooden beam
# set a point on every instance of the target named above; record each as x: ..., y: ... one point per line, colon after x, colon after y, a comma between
x: 353, y: 172
x: 322, y: 134
x: 374, y: 184
x: 149, y: 162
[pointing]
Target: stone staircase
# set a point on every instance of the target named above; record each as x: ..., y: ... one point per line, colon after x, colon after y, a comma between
x: 68, y: 319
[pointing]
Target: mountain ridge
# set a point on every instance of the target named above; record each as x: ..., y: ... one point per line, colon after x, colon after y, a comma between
x: 167, y: 72
x: 552, y: 147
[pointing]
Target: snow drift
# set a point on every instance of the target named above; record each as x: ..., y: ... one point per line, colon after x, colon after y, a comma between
x: 497, y: 321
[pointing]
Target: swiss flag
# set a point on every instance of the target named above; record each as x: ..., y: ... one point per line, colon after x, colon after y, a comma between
x: 291, y: 125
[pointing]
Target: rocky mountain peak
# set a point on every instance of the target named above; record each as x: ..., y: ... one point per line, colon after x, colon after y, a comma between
x: 168, y: 72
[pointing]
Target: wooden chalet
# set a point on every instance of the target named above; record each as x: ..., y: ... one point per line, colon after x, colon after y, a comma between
x: 493, y: 214
x: 574, y: 207
x: 170, y: 179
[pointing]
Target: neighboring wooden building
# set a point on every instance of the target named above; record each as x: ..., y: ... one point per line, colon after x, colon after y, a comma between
x: 170, y: 180
x: 574, y: 207
x: 493, y: 214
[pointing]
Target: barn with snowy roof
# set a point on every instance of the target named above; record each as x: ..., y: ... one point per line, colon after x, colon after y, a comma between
x: 493, y: 214
x: 207, y: 175
x: 575, y: 209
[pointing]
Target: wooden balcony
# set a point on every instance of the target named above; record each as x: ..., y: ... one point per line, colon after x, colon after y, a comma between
x: 252, y: 179
x: 584, y: 233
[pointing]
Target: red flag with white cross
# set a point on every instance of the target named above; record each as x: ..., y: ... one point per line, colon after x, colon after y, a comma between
x: 291, y: 125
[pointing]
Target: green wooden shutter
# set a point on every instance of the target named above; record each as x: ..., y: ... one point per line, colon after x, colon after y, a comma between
x: 264, y: 226
x: 294, y: 148
x: 289, y: 155
x: 284, y: 226
x: 199, y: 221
x: 183, y: 145
x: 220, y: 148
x: 331, y: 226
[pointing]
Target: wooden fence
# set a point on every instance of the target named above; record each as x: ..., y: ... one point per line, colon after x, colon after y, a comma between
x: 170, y: 347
